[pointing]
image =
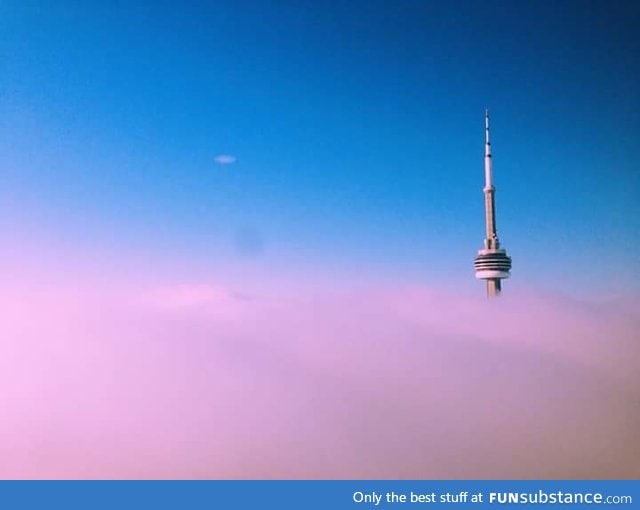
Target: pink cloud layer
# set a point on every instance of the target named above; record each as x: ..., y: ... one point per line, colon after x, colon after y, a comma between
x: 196, y: 381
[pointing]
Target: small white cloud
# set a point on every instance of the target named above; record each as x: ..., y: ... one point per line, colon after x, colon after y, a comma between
x: 225, y: 159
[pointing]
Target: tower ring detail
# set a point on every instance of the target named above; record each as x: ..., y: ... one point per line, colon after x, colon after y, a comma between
x: 492, y: 264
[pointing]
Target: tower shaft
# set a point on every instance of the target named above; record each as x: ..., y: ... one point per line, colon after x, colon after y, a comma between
x: 490, y: 218
x: 494, y: 287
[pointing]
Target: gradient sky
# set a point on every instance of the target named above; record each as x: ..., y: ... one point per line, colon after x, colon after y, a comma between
x: 236, y: 239
x: 358, y: 133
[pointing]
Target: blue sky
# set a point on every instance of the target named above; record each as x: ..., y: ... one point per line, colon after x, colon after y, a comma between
x: 358, y: 133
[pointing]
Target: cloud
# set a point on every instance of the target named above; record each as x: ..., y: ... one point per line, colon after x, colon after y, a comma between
x: 181, y: 297
x: 188, y: 381
x: 225, y: 159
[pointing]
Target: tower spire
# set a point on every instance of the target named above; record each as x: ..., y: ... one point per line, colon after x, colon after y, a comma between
x: 486, y: 126
x: 492, y: 263
x: 488, y: 176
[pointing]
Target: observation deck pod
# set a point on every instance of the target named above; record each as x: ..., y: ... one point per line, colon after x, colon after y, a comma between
x: 491, y: 264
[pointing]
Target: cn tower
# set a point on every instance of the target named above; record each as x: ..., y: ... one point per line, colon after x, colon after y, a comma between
x: 492, y: 262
